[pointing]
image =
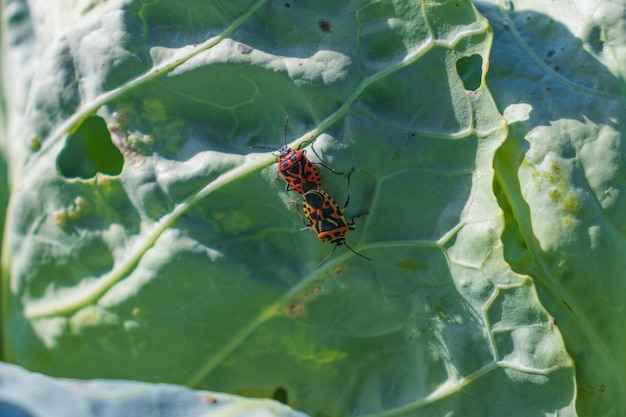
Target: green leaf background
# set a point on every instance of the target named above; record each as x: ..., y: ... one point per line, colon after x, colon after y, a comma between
x: 146, y: 241
x: 560, y: 175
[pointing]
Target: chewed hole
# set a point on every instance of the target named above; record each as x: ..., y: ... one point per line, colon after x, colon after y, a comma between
x: 324, y: 26
x: 470, y: 70
x: 89, y: 151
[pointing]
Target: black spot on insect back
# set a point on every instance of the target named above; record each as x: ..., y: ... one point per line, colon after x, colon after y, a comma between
x: 314, y: 199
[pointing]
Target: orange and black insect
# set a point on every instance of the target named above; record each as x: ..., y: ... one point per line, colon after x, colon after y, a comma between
x: 326, y: 218
x: 296, y: 168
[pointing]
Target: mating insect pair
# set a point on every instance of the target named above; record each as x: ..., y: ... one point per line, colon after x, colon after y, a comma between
x: 324, y: 216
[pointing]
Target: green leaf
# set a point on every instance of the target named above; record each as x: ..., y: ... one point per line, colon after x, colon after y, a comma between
x: 35, y: 395
x: 557, y: 75
x: 190, y: 267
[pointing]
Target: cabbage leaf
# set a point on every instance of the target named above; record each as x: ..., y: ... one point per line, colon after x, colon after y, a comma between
x: 147, y: 241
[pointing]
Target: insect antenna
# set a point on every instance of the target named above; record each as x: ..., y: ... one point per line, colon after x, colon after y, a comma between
x: 327, y: 257
x: 261, y: 147
x: 274, y: 149
x: 285, y: 132
x: 355, y: 252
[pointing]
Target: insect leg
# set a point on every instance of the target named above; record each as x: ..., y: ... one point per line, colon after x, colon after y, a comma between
x: 348, y: 199
x: 324, y: 165
x: 306, y: 225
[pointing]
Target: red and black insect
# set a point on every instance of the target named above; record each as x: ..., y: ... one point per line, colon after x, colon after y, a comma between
x: 296, y: 168
x: 326, y: 218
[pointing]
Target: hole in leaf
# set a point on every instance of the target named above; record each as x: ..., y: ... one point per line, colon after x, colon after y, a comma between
x: 280, y: 395
x: 470, y: 70
x: 89, y: 150
x: 324, y: 26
